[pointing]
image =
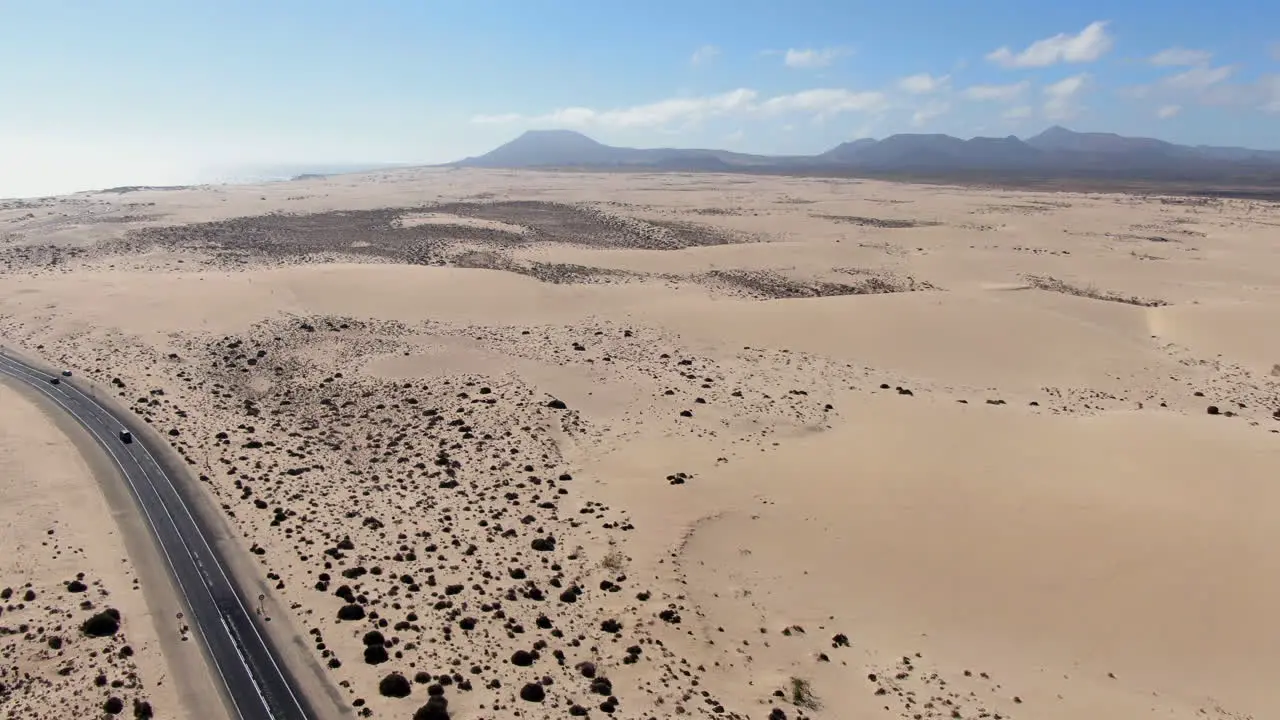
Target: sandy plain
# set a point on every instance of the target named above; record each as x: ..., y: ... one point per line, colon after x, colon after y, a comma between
x: 66, y: 563
x: 630, y: 445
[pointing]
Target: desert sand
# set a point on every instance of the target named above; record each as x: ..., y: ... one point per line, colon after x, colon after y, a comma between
x: 77, y: 636
x: 658, y: 445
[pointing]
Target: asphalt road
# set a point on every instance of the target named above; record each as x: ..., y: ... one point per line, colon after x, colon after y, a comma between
x: 247, y: 666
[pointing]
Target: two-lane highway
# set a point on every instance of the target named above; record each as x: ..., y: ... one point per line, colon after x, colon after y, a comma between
x: 247, y: 665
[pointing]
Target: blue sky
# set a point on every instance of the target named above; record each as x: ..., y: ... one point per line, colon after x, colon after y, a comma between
x: 97, y: 93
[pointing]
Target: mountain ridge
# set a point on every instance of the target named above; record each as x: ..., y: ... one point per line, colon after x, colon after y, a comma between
x: 1057, y: 151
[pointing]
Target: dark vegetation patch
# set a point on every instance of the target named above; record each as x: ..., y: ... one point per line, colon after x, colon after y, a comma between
x: 1257, y: 184
x: 1172, y: 225
x: 766, y: 285
x: 571, y: 274
x: 591, y: 226
x: 122, y: 189
x: 1052, y: 284
x: 682, y: 231
x: 1032, y: 207
x: 1131, y: 237
x: 121, y: 219
x: 554, y: 273
x: 484, y: 260
x: 878, y: 281
x: 103, y: 624
x: 45, y: 256
x: 379, y: 234
x: 883, y: 223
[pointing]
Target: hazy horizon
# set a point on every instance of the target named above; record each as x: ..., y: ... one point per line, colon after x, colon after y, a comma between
x: 150, y: 93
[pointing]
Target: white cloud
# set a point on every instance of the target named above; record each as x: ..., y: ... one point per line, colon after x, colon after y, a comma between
x: 927, y: 113
x: 812, y: 58
x: 1167, y: 111
x: 1090, y: 44
x: 659, y: 113
x: 586, y: 116
x: 923, y: 83
x: 1210, y: 86
x: 704, y: 54
x: 1062, y: 97
x: 1020, y: 112
x: 825, y: 101
x: 1180, y: 56
x: 997, y: 92
x: 1197, y: 78
x: 1270, y: 87
x: 654, y: 114
x: 500, y: 119
x: 1067, y: 87
x: 1263, y: 94
x: 1202, y: 84
x: 820, y: 103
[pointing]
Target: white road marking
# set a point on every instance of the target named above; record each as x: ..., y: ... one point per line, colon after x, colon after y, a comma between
x: 218, y: 565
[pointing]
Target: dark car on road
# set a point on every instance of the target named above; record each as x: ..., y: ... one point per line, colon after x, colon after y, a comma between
x: 126, y: 437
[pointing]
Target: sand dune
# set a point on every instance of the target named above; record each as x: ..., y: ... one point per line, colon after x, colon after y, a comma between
x: 1231, y: 331
x: 1071, y: 547
x: 655, y: 445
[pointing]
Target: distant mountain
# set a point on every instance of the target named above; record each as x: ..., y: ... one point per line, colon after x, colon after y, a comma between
x: 925, y: 152
x: 847, y: 151
x: 552, y: 147
x: 1237, y: 153
x: 1060, y: 139
x: 1056, y: 152
x: 565, y: 148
